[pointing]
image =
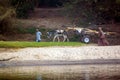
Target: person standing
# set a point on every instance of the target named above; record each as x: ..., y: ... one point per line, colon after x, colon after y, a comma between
x: 38, y: 35
x: 102, y: 41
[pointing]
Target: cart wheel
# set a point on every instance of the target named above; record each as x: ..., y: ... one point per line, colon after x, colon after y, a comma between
x: 86, y: 39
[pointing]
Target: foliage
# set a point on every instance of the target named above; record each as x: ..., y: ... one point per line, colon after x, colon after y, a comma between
x: 50, y: 3
x: 30, y: 30
x: 85, y: 12
x: 7, y: 16
x: 22, y: 30
x: 17, y: 44
x: 23, y: 7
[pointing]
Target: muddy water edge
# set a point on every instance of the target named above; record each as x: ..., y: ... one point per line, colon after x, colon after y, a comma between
x: 61, y: 72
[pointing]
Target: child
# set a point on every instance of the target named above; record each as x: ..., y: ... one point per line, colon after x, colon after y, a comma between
x: 38, y: 35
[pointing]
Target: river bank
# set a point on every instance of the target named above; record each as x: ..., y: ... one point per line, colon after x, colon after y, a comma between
x: 60, y: 53
x: 60, y: 56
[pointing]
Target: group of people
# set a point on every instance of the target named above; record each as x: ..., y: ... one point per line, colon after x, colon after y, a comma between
x: 102, y: 41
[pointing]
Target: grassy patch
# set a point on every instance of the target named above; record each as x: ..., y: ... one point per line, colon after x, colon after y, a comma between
x: 23, y: 44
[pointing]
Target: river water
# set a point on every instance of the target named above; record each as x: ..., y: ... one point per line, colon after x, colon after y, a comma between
x: 61, y: 72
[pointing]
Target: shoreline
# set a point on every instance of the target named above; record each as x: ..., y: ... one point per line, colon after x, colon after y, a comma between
x: 59, y: 62
x: 60, y: 55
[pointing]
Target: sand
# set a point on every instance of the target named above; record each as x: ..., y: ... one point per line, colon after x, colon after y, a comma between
x: 60, y: 53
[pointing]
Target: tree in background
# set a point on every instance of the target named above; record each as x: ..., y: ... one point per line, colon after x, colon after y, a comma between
x: 85, y: 12
x: 7, y: 16
x: 23, y: 7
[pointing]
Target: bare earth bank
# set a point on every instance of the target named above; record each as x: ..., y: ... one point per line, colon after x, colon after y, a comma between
x: 60, y: 53
x: 60, y: 56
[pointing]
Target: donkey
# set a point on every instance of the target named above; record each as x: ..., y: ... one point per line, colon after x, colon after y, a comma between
x: 56, y: 34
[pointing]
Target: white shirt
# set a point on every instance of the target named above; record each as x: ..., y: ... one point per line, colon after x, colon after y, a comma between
x: 38, y: 36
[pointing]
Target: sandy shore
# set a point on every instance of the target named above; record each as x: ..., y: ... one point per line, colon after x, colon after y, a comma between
x: 60, y: 53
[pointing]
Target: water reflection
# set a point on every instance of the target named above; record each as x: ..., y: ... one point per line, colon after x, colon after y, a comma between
x: 39, y: 77
x: 87, y: 77
x: 66, y: 72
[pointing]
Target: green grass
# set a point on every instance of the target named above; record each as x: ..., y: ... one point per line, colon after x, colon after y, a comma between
x: 23, y: 44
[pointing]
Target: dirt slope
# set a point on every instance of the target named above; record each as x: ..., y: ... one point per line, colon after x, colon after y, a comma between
x: 49, y: 18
